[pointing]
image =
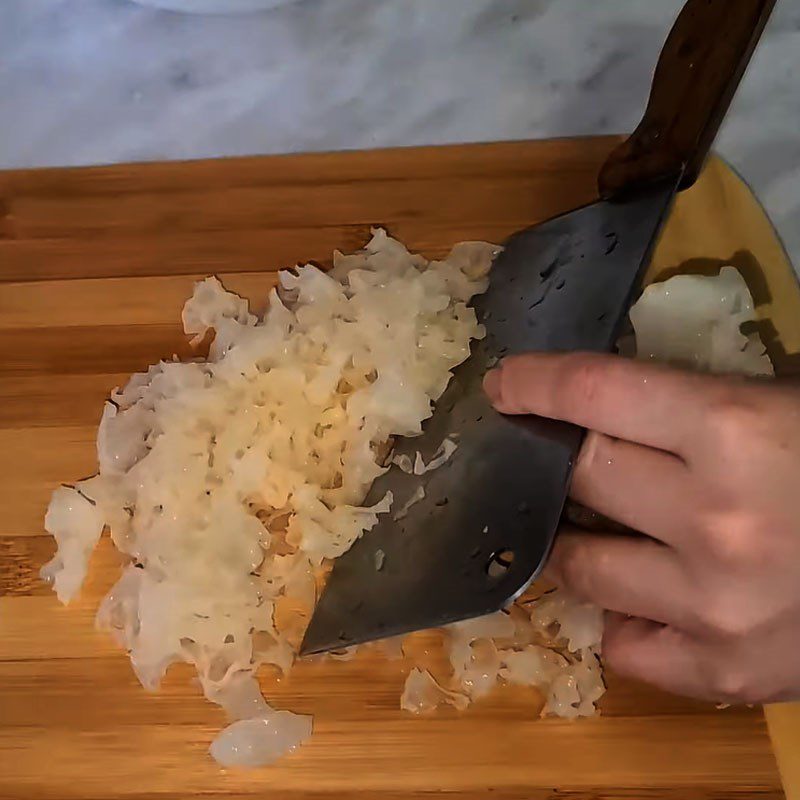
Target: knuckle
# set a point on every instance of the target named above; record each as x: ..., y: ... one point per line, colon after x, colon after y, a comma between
x: 575, y: 570
x: 509, y: 372
x: 726, y: 616
x: 730, y: 417
x: 582, y: 381
x: 731, y: 539
x: 731, y: 683
x: 516, y: 383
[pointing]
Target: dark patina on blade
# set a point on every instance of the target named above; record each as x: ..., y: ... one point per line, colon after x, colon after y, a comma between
x: 489, y: 515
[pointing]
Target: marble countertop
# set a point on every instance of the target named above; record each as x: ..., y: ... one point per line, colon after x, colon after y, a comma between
x: 97, y: 81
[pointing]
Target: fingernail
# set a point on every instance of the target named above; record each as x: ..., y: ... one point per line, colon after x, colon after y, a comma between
x: 491, y: 385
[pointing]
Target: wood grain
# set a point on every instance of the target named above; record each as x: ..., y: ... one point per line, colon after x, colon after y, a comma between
x: 94, y: 267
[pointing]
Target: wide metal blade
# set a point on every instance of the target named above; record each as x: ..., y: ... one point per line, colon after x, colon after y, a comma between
x: 489, y: 515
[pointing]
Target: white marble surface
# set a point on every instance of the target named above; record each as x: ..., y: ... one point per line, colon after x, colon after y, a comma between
x: 89, y: 81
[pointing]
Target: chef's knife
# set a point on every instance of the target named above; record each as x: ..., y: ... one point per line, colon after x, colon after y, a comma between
x: 489, y: 515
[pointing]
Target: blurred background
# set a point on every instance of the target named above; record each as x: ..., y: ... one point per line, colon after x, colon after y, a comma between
x: 97, y: 81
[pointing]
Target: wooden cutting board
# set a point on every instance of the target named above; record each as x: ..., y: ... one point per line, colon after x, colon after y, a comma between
x: 94, y: 267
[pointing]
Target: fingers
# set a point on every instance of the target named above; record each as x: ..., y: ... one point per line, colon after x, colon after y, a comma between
x: 627, y: 574
x: 640, y: 402
x: 678, y: 663
x: 656, y: 654
x: 645, y: 489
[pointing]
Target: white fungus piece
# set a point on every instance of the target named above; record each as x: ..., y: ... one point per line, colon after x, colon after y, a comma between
x: 473, y: 653
x: 575, y: 690
x: 476, y: 666
x: 240, y: 697
x: 271, y: 647
x: 260, y: 741
x: 76, y: 523
x: 422, y: 694
x: 588, y: 673
x: 404, y: 463
x: 119, y: 611
x: 562, y: 696
x: 417, y: 495
x: 210, y: 305
x: 525, y: 632
x: 443, y: 454
x: 230, y: 481
x: 122, y: 437
x: 474, y: 259
x: 579, y: 624
x: 534, y: 665
x: 695, y: 321
x: 258, y: 735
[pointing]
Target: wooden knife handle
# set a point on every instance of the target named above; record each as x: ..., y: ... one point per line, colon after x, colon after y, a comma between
x: 700, y: 66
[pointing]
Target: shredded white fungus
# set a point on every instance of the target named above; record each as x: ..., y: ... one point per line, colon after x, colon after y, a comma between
x: 422, y: 694
x: 695, y: 321
x: 551, y: 643
x: 228, y: 483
